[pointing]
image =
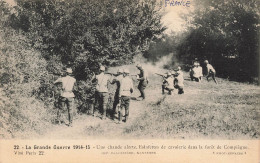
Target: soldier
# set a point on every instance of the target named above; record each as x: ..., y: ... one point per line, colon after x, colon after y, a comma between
x: 125, y: 91
x: 211, y: 72
x: 196, y: 72
x: 195, y: 61
x: 117, y: 82
x: 178, y: 69
x: 178, y: 81
x: 101, y: 95
x: 200, y: 71
x: 168, y: 83
x: 143, y: 81
x: 67, y: 96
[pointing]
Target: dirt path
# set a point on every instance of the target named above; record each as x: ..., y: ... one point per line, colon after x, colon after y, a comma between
x: 202, y: 101
x: 86, y: 126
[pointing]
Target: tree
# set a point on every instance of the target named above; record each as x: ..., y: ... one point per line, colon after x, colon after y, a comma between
x: 110, y: 32
x: 86, y: 33
x: 226, y: 32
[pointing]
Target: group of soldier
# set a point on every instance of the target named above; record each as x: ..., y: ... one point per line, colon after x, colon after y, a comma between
x: 173, y: 80
x: 196, y: 72
x: 124, y: 89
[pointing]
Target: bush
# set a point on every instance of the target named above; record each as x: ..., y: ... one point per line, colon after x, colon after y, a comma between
x: 22, y: 72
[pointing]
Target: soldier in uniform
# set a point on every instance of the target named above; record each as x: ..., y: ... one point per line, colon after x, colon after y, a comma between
x: 200, y: 71
x: 143, y: 81
x: 178, y: 80
x: 196, y: 72
x: 101, y: 95
x: 178, y: 69
x: 168, y: 83
x: 67, y: 96
x: 211, y: 72
x: 125, y: 92
x: 117, y: 82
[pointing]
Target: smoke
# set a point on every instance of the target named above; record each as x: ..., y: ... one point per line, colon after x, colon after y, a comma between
x: 165, y: 63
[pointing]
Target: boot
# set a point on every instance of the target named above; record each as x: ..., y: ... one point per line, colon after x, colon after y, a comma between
x: 119, y: 116
x: 126, y: 118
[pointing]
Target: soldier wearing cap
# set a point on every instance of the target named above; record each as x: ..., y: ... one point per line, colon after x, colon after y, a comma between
x: 102, y: 94
x: 125, y: 92
x: 143, y: 80
x: 178, y: 80
x: 195, y: 61
x: 178, y: 69
x: 116, y: 81
x: 67, y: 96
x: 211, y: 72
x: 168, y: 83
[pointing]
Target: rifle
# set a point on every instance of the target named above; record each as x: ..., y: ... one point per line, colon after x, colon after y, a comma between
x: 160, y: 75
x: 110, y: 73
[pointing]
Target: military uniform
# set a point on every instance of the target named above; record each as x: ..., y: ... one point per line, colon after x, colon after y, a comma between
x: 211, y: 72
x: 168, y: 84
x: 143, y: 81
x: 102, y: 92
x: 178, y: 82
x: 196, y: 73
x: 126, y: 89
x: 101, y: 95
x: 116, y: 97
x: 67, y: 96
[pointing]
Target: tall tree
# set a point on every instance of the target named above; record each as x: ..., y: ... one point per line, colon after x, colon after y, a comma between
x: 109, y: 32
x: 226, y: 32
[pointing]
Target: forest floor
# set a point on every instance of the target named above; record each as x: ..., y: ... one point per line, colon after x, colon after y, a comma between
x: 229, y: 110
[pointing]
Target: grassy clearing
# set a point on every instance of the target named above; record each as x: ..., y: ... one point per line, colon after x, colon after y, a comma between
x: 206, y: 110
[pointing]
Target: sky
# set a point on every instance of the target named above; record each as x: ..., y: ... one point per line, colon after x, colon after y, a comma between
x: 172, y: 19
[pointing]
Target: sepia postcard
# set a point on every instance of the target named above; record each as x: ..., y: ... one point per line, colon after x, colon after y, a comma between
x: 129, y: 81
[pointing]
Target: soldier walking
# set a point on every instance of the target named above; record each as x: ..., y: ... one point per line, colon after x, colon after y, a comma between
x: 101, y: 95
x: 67, y: 96
x: 116, y: 81
x: 143, y: 81
x: 125, y: 91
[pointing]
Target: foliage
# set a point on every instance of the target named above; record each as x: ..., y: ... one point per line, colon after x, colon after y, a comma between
x: 108, y: 32
x: 225, y: 32
x: 83, y: 34
x: 22, y: 72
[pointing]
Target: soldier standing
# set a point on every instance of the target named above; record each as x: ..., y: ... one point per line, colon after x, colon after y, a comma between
x: 143, y: 81
x: 211, y: 72
x: 117, y: 82
x: 67, y: 96
x: 126, y: 89
x: 168, y: 83
x: 101, y: 95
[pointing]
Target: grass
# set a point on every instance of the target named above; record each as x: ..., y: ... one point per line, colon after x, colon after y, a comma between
x: 229, y: 110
